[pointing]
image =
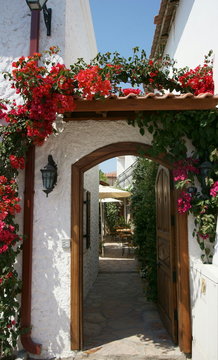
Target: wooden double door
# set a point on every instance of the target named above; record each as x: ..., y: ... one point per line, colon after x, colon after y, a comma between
x: 166, y: 253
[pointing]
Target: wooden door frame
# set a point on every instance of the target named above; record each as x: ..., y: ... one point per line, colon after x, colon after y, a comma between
x: 78, y: 169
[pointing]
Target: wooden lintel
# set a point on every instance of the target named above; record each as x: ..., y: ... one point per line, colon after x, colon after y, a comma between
x: 103, y: 109
x: 106, y: 115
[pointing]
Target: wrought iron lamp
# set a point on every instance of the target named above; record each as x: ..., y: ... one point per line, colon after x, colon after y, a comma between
x: 41, y: 5
x: 192, y: 190
x: 49, y: 175
x: 205, y: 169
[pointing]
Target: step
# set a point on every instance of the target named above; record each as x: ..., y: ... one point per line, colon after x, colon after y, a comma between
x: 129, y: 357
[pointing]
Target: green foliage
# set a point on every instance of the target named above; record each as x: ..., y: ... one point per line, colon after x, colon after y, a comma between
x: 144, y: 219
x: 102, y: 176
x: 171, y: 131
x: 170, y: 128
x: 135, y: 70
x: 111, y: 215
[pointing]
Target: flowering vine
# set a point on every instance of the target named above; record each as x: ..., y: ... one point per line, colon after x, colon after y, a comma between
x: 50, y: 88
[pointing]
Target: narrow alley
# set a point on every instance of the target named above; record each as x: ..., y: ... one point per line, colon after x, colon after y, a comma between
x: 119, y: 323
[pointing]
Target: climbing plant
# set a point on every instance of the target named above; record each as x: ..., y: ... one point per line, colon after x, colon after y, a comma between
x: 143, y: 210
x: 50, y: 88
x: 172, y: 131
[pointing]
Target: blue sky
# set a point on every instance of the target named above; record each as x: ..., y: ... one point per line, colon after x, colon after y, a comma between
x: 121, y: 25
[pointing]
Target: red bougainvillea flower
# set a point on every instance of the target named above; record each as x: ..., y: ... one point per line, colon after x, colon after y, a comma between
x: 214, y: 189
x: 199, y: 80
x: 90, y: 81
x: 13, y: 322
x: 203, y: 236
x: 128, y: 91
x: 17, y: 162
x: 115, y: 68
x: 153, y: 74
x: 184, y: 202
x: 2, y: 113
x: 64, y: 103
x: 9, y: 275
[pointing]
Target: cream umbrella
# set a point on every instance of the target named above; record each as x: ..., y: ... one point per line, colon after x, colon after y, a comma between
x: 111, y: 192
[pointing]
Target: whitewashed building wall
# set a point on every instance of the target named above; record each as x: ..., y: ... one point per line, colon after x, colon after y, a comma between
x: 51, y: 263
x: 193, y: 35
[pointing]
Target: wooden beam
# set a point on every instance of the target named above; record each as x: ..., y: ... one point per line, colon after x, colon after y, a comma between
x: 101, y: 115
x: 76, y: 259
x: 184, y: 308
x: 121, y: 108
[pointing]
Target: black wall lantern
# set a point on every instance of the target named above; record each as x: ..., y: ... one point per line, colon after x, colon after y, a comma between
x: 41, y: 5
x: 205, y: 169
x: 49, y: 175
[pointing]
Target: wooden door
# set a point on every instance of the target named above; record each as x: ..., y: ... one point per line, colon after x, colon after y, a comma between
x: 166, y: 274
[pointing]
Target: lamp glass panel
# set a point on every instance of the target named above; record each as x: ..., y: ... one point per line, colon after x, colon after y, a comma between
x: 36, y: 4
x: 48, y: 178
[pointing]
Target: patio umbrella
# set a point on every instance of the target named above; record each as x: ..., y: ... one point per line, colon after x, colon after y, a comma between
x: 107, y: 200
x: 111, y: 192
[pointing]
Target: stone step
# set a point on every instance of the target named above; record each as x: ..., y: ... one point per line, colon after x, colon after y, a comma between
x: 129, y: 357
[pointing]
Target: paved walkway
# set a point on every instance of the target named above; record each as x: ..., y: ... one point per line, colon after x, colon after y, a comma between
x: 119, y: 324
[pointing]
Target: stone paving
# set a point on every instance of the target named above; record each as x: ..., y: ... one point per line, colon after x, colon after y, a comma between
x: 119, y: 323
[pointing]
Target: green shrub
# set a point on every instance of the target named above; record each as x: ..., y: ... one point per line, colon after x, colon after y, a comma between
x: 143, y: 210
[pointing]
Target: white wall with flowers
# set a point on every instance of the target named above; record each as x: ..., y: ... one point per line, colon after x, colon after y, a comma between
x: 72, y: 31
x: 193, y: 34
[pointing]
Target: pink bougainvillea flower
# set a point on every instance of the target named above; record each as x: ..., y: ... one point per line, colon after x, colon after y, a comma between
x: 184, y: 202
x: 183, y: 167
x: 214, y: 189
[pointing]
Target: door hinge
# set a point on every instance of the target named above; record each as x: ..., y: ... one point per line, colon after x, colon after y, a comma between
x: 175, y: 315
x: 174, y: 276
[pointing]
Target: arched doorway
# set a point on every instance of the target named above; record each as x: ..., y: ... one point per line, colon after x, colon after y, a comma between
x: 181, y: 234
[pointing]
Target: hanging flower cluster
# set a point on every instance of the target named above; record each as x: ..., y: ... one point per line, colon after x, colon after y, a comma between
x: 200, y: 79
x: 92, y: 83
x: 214, y: 189
x: 184, y: 169
x: 45, y: 93
x: 202, y: 205
x: 184, y: 202
x: 183, y: 176
x: 10, y: 245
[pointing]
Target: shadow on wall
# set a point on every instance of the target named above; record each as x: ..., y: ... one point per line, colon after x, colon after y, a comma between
x: 51, y: 294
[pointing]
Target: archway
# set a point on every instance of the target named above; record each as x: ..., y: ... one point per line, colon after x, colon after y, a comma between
x: 78, y: 169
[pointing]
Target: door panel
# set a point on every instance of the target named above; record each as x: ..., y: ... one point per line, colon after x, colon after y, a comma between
x: 166, y: 283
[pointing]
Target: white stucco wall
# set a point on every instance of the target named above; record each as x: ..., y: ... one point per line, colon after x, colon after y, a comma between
x: 51, y: 263
x: 193, y: 35
x: 123, y: 162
